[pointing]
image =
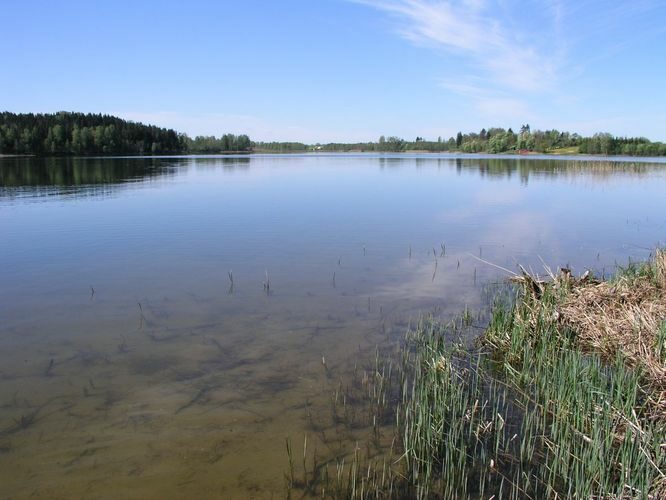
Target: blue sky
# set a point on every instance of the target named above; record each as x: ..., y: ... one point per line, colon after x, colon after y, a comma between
x: 342, y: 70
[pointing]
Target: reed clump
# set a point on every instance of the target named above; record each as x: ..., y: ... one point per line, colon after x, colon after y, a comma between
x: 589, y: 355
x: 623, y: 317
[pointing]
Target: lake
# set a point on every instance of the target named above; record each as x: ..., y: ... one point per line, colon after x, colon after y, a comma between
x: 166, y: 324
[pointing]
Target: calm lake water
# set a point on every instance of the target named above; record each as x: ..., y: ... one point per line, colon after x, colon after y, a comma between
x: 131, y: 367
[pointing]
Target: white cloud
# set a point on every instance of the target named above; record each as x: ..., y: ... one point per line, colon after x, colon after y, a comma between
x: 506, y: 58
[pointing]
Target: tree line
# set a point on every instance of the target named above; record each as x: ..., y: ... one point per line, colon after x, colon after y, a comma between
x: 500, y: 140
x: 493, y: 140
x: 210, y: 144
x: 606, y: 144
x: 82, y: 134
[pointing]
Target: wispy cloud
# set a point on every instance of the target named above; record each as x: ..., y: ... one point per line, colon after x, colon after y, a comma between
x: 491, y: 103
x: 504, y: 56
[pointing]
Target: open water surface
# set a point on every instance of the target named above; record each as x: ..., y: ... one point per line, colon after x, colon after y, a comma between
x: 131, y: 367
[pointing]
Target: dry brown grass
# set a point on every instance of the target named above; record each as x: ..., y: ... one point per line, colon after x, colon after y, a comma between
x: 626, y: 317
x: 623, y: 317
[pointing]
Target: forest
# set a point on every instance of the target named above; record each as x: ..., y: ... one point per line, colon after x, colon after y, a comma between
x: 80, y: 134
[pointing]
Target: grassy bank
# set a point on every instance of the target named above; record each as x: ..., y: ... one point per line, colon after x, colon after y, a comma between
x: 573, y: 150
x: 564, y: 395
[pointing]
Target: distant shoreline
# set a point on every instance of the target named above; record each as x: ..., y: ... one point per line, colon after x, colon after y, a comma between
x: 527, y: 154
x: 406, y: 154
